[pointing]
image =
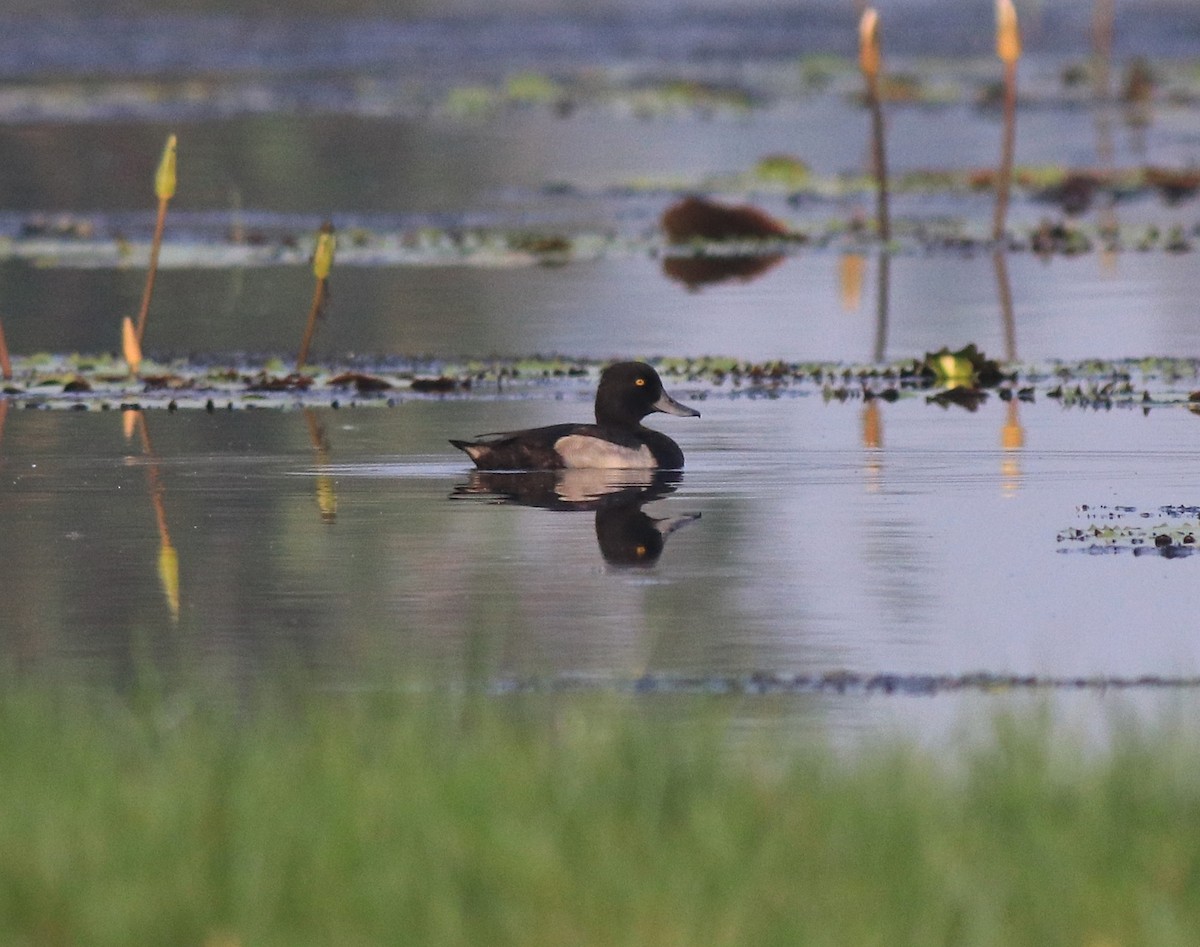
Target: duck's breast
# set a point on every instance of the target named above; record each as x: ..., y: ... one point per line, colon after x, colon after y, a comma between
x: 587, y: 451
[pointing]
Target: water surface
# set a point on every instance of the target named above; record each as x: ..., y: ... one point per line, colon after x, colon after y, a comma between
x: 814, y: 537
x: 935, y: 552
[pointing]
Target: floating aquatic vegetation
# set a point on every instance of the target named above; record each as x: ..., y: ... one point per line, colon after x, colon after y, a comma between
x: 787, y: 170
x: 532, y: 88
x: 832, y: 682
x: 470, y: 101
x: 818, y: 70
x: 545, y: 248
x: 101, y: 383
x: 966, y: 368
x: 1168, y: 531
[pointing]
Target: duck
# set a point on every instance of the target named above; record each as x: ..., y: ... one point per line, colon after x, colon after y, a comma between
x: 628, y: 391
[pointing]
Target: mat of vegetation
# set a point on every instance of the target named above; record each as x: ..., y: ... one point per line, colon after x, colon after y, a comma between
x: 405, y: 819
x: 965, y: 378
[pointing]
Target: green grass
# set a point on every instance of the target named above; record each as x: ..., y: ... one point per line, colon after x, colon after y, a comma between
x: 409, y: 820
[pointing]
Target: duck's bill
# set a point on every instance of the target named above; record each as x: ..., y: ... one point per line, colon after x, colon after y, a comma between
x: 668, y: 405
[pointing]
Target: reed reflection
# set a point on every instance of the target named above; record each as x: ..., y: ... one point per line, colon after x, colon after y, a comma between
x: 1012, y: 434
x: 626, y: 535
x: 872, y: 440
x: 851, y: 273
x: 882, y: 293
x: 1012, y: 441
x: 134, y: 422
x: 1004, y: 297
x: 326, y: 493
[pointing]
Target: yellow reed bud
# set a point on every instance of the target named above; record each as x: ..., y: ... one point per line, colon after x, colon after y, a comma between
x: 164, y: 178
x: 1008, y: 33
x: 868, y: 43
x: 323, y: 255
x: 130, y: 345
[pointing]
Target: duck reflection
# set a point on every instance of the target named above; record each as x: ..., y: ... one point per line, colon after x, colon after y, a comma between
x: 627, y: 536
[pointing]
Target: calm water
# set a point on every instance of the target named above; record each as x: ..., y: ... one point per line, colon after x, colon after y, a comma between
x: 935, y: 552
x: 1071, y: 309
x: 811, y: 537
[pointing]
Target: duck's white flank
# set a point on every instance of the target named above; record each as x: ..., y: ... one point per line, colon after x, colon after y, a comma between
x: 579, y: 450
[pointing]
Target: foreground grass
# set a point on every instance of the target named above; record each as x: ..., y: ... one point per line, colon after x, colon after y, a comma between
x: 415, y: 821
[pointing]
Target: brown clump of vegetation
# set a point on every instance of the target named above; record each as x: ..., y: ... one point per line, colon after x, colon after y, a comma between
x: 697, y: 218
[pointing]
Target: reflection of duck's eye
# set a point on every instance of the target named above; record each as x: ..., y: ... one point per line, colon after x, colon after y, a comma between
x: 639, y: 382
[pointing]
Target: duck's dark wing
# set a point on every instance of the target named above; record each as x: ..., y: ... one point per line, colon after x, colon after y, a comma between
x: 532, y: 449
x: 589, y: 445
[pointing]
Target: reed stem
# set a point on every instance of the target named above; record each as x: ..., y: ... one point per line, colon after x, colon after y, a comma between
x: 322, y: 264
x: 1008, y: 49
x: 1007, y: 147
x: 870, y: 61
x: 164, y: 188
x: 5, y: 363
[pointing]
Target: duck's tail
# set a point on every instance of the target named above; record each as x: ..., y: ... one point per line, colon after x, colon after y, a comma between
x: 471, y: 450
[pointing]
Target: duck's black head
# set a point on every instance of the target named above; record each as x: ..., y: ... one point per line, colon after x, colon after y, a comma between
x: 631, y: 390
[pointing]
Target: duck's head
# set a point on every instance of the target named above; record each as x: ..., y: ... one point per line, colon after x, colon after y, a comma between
x: 631, y: 390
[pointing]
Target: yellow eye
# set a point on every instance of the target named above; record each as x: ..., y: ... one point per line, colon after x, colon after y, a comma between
x: 639, y: 382
x: 640, y: 550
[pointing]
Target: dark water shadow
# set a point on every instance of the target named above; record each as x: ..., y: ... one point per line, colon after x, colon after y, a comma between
x: 698, y: 272
x: 626, y: 535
